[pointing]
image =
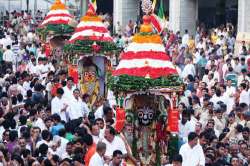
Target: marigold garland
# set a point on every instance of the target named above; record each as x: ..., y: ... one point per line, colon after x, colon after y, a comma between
x: 91, y: 18
x: 147, y: 39
x: 58, y: 5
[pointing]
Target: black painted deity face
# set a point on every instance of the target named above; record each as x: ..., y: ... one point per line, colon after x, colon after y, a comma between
x: 145, y: 116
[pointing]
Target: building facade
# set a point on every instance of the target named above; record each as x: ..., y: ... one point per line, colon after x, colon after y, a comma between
x: 185, y: 14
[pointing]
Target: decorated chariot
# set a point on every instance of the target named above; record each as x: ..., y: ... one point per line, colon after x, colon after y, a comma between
x: 147, y: 87
x: 56, y: 28
x: 89, y: 51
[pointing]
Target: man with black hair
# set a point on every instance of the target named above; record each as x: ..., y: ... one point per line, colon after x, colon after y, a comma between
x: 91, y: 148
x: 246, y: 134
x: 116, y: 158
x: 244, y: 94
x: 113, y: 142
x: 40, y: 117
x: 46, y: 139
x: 57, y: 124
x: 68, y: 90
x: 95, y: 133
x: 59, y: 106
x: 176, y: 160
x: 9, y: 57
x: 185, y: 126
x: 76, y: 108
x: 191, y: 152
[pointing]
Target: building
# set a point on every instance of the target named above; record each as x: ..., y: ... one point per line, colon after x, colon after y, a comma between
x: 186, y: 14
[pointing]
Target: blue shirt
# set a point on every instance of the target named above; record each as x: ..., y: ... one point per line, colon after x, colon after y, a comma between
x: 55, y: 129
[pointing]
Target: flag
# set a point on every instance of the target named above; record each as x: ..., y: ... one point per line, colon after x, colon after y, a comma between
x: 154, y: 4
x: 93, y: 5
x: 159, y: 20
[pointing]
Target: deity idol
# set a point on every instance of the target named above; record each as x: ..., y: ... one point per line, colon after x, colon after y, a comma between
x: 89, y: 82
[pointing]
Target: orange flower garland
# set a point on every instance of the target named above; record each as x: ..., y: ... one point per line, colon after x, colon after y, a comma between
x: 58, y: 5
x: 91, y: 18
x: 147, y: 39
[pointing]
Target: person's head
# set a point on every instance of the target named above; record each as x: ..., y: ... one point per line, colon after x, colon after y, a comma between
x: 88, y: 140
x: 246, y: 133
x: 13, y: 135
x: 234, y: 149
x: 100, y: 123
x: 218, y: 113
x: 56, y: 118
x: 23, y: 120
x: 210, y: 124
x: 221, y: 149
x: 117, y: 158
x: 60, y: 92
x: 185, y: 116
x: 243, y: 86
x: 69, y: 148
x: 242, y: 61
x: 177, y: 160
x: 231, y: 118
x: 192, y: 139
x: 243, y: 147
x: 109, y: 133
x: 101, y: 148
x: 8, y: 47
x: 198, y: 127
x: 108, y: 112
x: 43, y: 149
x: 41, y: 113
x: 46, y: 135
x: 235, y: 161
x: 22, y: 143
x: 95, y: 130
x: 17, y: 160
x: 218, y: 92
x: 48, y: 122
x: 76, y: 93
x: 35, y: 131
x: 62, y: 132
x: 70, y: 82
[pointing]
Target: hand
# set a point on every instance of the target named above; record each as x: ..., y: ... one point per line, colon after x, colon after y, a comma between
x: 107, y: 159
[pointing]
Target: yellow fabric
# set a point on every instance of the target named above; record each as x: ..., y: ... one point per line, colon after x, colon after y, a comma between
x: 214, y: 38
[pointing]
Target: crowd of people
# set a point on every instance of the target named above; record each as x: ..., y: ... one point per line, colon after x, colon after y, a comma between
x: 45, y: 120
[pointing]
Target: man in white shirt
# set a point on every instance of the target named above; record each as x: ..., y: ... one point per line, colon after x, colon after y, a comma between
x: 188, y: 69
x: 117, y: 158
x: 113, y: 142
x: 192, y: 152
x: 59, y: 106
x: 95, y: 133
x: 8, y: 55
x: 76, y: 109
x: 68, y: 90
x: 97, y: 158
x: 244, y: 94
x: 185, y: 38
x: 185, y: 126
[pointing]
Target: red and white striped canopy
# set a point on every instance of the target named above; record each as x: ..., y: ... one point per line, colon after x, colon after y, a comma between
x: 145, y: 56
x: 91, y: 28
x: 58, y: 14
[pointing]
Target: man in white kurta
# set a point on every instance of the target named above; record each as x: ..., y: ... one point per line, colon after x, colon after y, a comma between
x: 76, y: 109
x: 59, y: 106
x: 113, y: 142
x: 97, y: 158
x: 192, y: 152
